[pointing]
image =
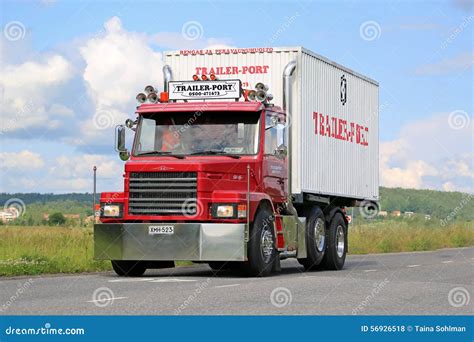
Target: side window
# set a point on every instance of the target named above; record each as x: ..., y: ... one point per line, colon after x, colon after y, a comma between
x: 147, y: 136
x: 271, y: 137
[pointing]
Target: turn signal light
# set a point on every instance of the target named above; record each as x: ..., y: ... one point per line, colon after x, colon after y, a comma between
x: 242, y: 211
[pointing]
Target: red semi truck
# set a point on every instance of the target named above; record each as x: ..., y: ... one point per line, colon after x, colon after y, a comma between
x: 222, y: 172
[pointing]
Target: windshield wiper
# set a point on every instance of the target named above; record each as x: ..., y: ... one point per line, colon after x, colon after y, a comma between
x: 216, y: 152
x: 161, y: 153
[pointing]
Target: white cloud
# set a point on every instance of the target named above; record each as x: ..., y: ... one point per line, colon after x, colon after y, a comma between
x: 27, y: 92
x: 430, y: 154
x: 81, y: 166
x: 31, y: 75
x: 457, y: 63
x: 74, y: 173
x: 21, y: 160
x: 119, y: 64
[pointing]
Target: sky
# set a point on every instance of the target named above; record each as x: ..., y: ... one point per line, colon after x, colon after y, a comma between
x: 70, y: 71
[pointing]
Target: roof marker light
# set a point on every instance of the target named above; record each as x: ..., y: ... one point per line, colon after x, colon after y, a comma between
x: 204, y: 77
x: 195, y: 77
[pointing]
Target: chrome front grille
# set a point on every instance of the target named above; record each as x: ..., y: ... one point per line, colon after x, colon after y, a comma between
x: 163, y: 193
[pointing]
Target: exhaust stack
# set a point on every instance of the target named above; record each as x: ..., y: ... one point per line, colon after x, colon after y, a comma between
x: 167, y: 76
x: 287, y: 96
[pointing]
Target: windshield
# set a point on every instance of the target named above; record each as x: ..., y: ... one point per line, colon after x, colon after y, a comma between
x: 186, y: 133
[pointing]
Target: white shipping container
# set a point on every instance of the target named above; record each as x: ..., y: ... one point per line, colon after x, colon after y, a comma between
x: 334, y: 113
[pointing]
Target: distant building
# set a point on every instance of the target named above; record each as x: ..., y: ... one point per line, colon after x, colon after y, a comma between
x: 8, y: 215
x: 408, y: 214
x: 427, y: 217
x: 396, y: 213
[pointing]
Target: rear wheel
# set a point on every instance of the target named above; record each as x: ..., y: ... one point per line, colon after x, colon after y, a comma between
x: 129, y: 268
x: 315, y: 239
x: 261, y: 246
x: 335, y: 256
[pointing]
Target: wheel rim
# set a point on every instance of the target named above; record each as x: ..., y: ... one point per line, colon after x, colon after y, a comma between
x: 266, y: 243
x: 340, y: 241
x: 319, y: 234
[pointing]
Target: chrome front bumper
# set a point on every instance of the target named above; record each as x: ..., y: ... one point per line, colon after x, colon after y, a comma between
x: 190, y: 241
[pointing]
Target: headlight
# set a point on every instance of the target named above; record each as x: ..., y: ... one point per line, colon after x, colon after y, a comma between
x: 224, y: 211
x: 229, y: 211
x: 111, y: 210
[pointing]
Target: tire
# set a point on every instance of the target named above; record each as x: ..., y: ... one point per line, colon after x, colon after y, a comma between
x: 336, y: 250
x: 129, y: 268
x: 315, y: 239
x: 261, y: 245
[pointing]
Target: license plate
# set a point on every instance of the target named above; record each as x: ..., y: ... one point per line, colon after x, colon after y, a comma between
x: 160, y: 230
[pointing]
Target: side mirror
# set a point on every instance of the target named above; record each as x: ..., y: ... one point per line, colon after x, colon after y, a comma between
x: 120, y: 139
x: 120, y: 142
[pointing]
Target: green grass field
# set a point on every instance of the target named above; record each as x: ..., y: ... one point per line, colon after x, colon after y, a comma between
x: 37, y: 250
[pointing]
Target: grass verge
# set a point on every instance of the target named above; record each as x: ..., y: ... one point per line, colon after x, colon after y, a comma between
x: 38, y: 250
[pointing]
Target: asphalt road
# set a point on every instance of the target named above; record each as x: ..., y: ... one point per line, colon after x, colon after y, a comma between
x: 426, y: 283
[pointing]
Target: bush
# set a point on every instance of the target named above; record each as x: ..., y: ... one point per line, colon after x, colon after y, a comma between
x: 56, y: 219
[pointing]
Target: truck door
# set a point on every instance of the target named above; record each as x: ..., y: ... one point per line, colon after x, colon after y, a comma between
x: 274, y: 159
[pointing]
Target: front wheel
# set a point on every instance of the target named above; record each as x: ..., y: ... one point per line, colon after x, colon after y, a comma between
x: 335, y: 256
x: 261, y: 247
x: 129, y: 268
